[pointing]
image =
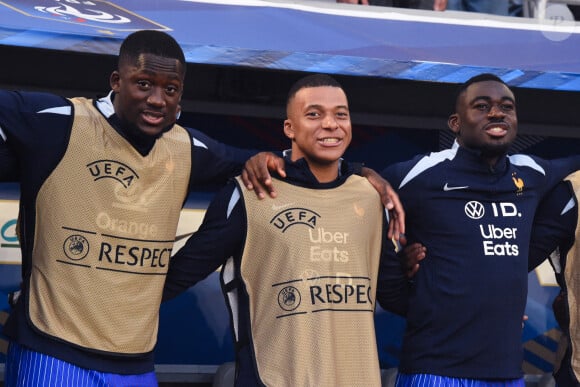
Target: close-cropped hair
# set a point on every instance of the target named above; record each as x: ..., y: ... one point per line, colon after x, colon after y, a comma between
x: 150, y: 42
x: 313, y: 80
x: 475, y: 79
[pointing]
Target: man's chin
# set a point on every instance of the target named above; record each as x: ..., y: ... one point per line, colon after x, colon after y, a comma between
x: 154, y: 131
x: 496, y: 150
x: 149, y: 132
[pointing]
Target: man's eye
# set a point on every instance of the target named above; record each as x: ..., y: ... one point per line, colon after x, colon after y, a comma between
x: 312, y: 114
x: 143, y: 84
x: 481, y: 106
x: 172, y: 90
x: 507, y: 107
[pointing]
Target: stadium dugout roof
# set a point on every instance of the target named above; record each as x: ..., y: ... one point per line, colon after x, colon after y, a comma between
x: 242, y: 55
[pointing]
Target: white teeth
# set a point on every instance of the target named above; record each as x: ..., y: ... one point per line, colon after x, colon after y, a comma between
x: 330, y: 140
x: 496, y: 130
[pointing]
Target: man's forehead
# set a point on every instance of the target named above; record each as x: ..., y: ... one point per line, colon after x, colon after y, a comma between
x: 489, y: 87
x: 326, y: 94
x: 486, y: 90
x: 156, y: 63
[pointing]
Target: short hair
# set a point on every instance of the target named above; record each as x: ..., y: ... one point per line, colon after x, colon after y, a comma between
x: 476, y: 79
x: 312, y: 80
x: 150, y: 42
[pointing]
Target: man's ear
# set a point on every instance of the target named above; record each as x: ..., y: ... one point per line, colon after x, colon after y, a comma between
x: 288, y: 130
x: 114, y: 81
x: 453, y: 123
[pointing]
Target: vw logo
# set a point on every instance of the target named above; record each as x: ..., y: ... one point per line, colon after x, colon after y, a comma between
x: 474, y: 210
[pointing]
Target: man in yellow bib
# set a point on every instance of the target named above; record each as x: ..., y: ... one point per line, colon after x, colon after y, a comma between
x: 302, y: 272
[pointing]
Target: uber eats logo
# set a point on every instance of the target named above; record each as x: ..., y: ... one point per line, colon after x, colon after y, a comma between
x: 496, y: 240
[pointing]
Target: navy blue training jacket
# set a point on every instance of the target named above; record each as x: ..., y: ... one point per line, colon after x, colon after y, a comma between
x: 467, y: 301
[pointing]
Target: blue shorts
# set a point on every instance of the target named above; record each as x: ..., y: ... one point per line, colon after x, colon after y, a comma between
x: 428, y: 380
x: 28, y: 368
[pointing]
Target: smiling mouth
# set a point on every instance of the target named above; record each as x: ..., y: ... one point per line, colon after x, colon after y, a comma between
x: 330, y: 140
x: 153, y: 118
x: 496, y: 130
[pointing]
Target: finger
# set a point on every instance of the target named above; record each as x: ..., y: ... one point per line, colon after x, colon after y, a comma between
x: 393, y: 231
x: 412, y: 259
x: 416, y: 259
x: 257, y: 184
x: 414, y: 248
x: 423, y: 253
x: 265, y: 180
x: 413, y: 254
x: 403, y: 239
x: 398, y: 211
x: 412, y: 271
x: 246, y: 180
x: 259, y: 191
x: 280, y: 167
x: 250, y: 169
x: 386, y: 199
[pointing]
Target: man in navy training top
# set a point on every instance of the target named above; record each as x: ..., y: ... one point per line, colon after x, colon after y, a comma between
x: 472, y: 207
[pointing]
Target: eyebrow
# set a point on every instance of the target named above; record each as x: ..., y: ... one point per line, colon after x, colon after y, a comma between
x: 318, y: 106
x: 488, y: 98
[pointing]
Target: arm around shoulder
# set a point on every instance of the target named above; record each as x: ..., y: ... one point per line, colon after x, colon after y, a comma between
x: 393, y: 285
x: 214, y: 162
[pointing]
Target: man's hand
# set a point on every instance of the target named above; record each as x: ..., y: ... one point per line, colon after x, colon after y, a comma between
x: 256, y: 173
x: 411, y: 256
x: 390, y: 200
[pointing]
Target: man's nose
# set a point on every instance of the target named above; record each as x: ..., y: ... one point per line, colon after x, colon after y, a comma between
x: 330, y: 122
x: 496, y: 111
x: 156, y: 97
